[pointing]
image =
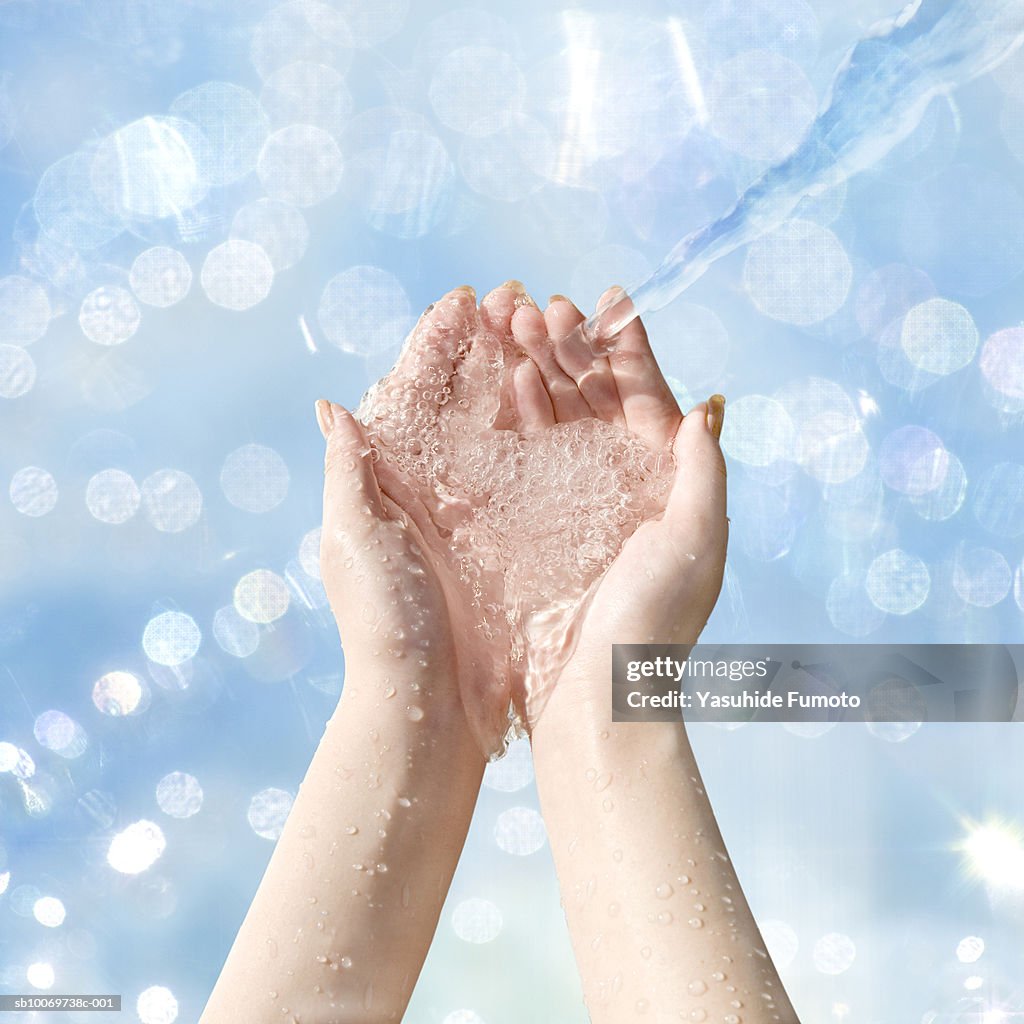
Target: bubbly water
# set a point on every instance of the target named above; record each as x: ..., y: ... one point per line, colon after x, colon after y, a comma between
x: 878, y: 96
x: 526, y: 523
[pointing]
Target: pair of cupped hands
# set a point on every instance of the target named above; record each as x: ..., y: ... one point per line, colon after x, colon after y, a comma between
x: 398, y: 603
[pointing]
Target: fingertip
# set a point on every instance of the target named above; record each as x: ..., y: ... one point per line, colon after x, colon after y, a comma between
x: 324, y: 416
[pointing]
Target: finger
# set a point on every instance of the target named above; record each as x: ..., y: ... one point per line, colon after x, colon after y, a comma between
x: 499, y: 304
x: 593, y: 375
x: 649, y: 407
x: 530, y: 332
x: 352, y: 499
x: 438, y: 340
x: 531, y: 398
x: 696, y: 510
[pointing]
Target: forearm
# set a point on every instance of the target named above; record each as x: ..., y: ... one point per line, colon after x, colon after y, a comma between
x: 658, y: 920
x: 342, y: 920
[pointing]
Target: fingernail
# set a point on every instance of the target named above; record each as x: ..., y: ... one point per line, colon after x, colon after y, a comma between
x: 324, y: 417
x: 516, y: 286
x: 468, y: 289
x: 558, y: 298
x: 716, y: 414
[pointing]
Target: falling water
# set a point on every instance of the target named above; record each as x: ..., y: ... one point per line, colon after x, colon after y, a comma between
x: 878, y: 96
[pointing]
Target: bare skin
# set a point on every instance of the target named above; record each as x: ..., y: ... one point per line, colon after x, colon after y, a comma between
x: 343, y: 918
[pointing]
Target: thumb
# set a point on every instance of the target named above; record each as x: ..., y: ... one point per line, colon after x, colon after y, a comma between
x: 696, y: 508
x: 352, y: 499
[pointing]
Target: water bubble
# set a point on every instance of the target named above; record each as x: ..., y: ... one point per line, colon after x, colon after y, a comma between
x: 999, y: 500
x: 306, y: 93
x: 171, y: 638
x: 364, y: 310
x: 970, y: 949
x: 477, y: 90
x: 268, y: 812
x: 305, y: 30
x: 944, y: 500
x: 157, y: 1005
x: 33, y: 491
x: 477, y: 921
x: 261, y: 596
x: 697, y: 988
x: 160, y: 276
x: 237, y: 274
x: 17, y: 371
x: 519, y: 831
x: 664, y: 891
x: 897, y: 582
x: 309, y: 553
x: 24, y: 311
x: 758, y: 431
x: 112, y: 496
x: 799, y: 273
x: 834, y: 953
x: 49, y: 911
x: 913, y: 460
x: 781, y: 940
x: 67, y: 207
x: 236, y: 635
x: 300, y: 164
x: 179, y: 795
x: 171, y: 500
x: 40, y: 975
x: 255, y: 478
x: 109, y: 315
x: 136, y: 848
x: 1002, y: 366
x: 939, y: 336
x: 148, y: 170
x: 117, y: 693
x: 60, y: 733
x: 981, y: 576
x: 232, y: 129
x: 278, y: 228
x: 761, y: 105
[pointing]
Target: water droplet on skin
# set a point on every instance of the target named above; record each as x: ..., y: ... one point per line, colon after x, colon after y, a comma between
x: 351, y: 830
x: 699, y: 907
x: 415, y: 713
x: 664, y: 891
x: 616, y: 855
x: 664, y: 918
x: 389, y: 693
x: 697, y: 988
x: 642, y: 1006
x: 602, y: 782
x: 307, y: 859
x: 590, y: 775
x: 695, y: 922
x: 732, y: 1018
x: 614, y: 909
x: 321, y: 959
x: 271, y: 948
x: 404, y: 801
x: 649, y: 573
x: 307, y: 832
x: 646, y: 952
x: 718, y: 976
x: 684, y: 879
x: 382, y: 868
x: 736, y: 1004
x: 607, y: 805
x: 368, y: 997
x: 573, y: 843
x: 346, y: 962
x: 405, y: 894
x: 311, y: 900
x: 597, y: 942
x: 604, y: 734
x: 698, y: 1014
x: 272, y: 994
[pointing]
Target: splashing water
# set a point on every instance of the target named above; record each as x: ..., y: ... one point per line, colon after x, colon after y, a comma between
x: 878, y: 96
